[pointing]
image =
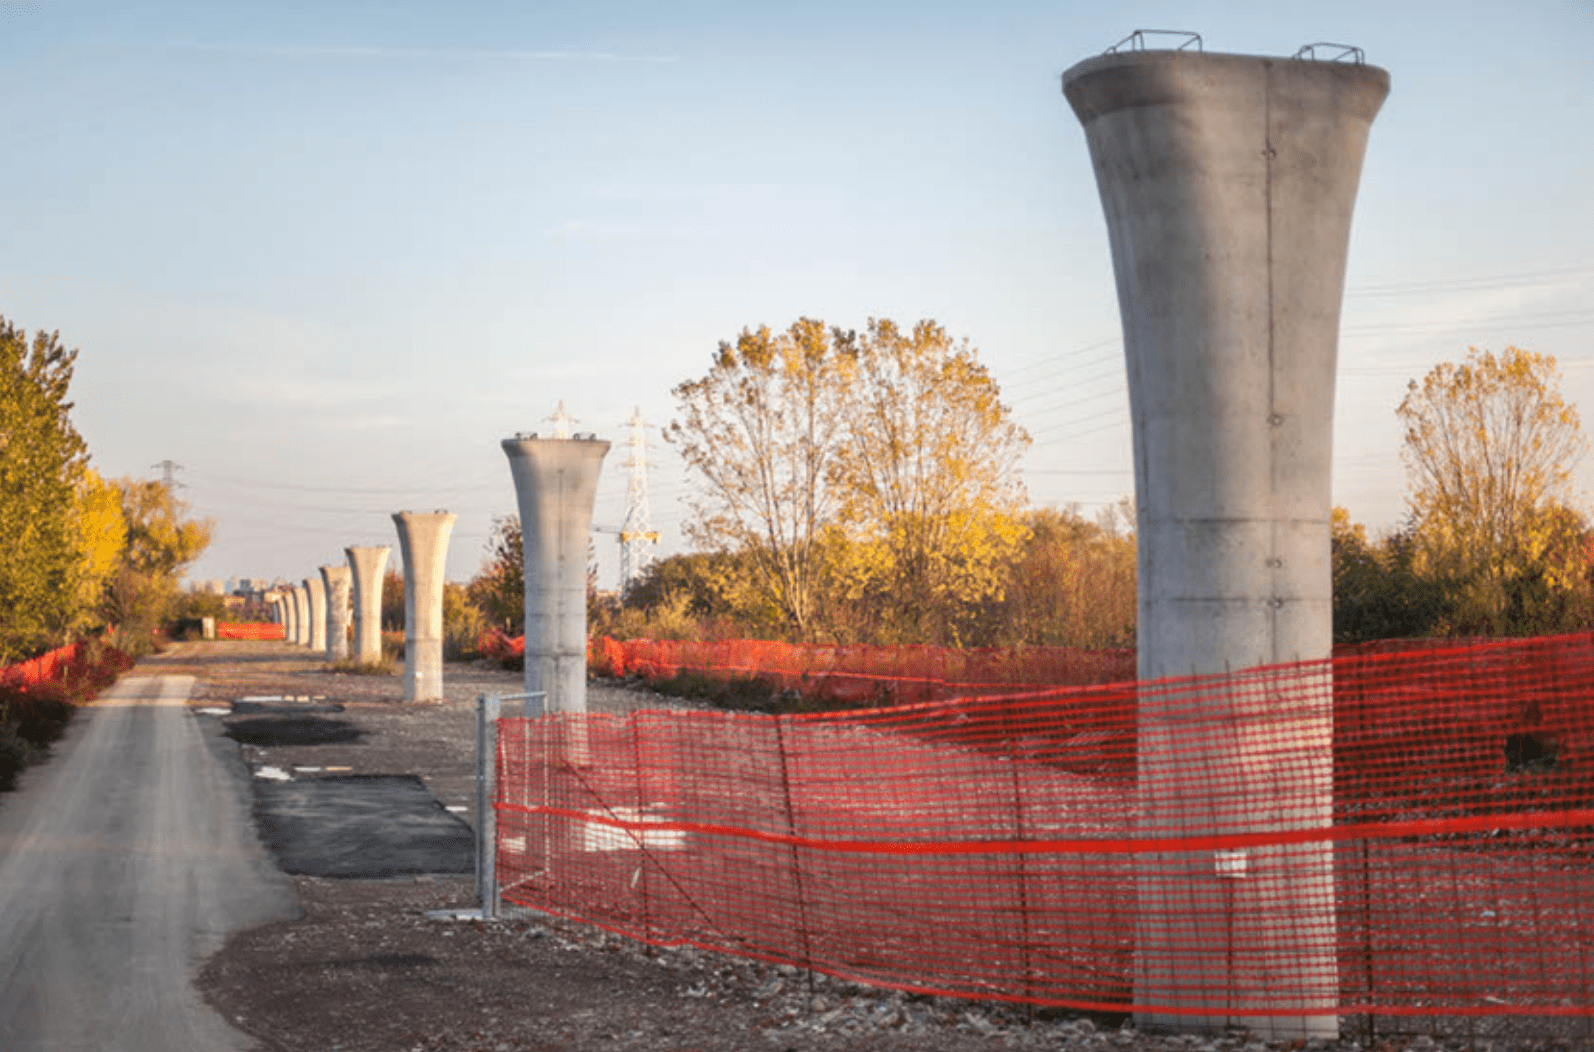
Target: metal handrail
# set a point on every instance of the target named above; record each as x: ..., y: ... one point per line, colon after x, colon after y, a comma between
x: 1137, y: 40
x: 1346, y: 51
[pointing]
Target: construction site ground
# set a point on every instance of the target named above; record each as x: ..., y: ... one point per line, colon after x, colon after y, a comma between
x: 370, y: 966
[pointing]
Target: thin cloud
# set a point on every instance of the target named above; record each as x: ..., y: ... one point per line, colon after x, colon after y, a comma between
x: 377, y: 51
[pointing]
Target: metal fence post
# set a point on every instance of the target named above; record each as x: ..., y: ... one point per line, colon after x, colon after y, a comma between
x: 488, y: 707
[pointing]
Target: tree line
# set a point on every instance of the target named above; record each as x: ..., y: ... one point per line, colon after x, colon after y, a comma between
x: 864, y: 487
x: 80, y: 553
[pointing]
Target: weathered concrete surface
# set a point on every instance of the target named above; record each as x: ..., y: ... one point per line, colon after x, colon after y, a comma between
x: 336, y: 581
x: 368, y: 565
x: 423, y: 542
x: 556, y: 482
x: 1228, y: 183
x: 124, y: 860
x: 301, y: 616
x: 316, y: 630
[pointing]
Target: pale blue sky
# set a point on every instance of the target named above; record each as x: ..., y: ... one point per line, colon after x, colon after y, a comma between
x: 326, y: 256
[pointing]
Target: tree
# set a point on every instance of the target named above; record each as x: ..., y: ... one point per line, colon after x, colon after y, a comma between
x: 498, y: 590
x: 1378, y: 594
x: 1073, y: 583
x: 392, y: 601
x: 101, y: 532
x: 928, y: 473
x: 1490, y: 445
x: 762, y: 430
x: 42, y: 464
x: 161, y: 543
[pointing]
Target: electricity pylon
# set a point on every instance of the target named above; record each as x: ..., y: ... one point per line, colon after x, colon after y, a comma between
x: 638, y: 539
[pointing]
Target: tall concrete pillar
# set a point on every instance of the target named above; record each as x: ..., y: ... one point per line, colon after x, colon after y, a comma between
x: 335, y: 580
x: 316, y: 627
x: 556, y: 482
x: 301, y: 616
x: 1228, y: 183
x: 368, y: 565
x: 423, y: 542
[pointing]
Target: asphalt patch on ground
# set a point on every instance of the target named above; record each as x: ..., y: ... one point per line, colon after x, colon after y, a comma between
x: 272, y: 731
x: 361, y: 827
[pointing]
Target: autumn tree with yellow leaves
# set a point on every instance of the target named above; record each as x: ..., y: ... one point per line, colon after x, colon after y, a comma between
x: 162, y: 541
x: 927, y: 481
x: 761, y: 432
x: 1490, y: 447
x: 870, y: 478
x: 56, y: 536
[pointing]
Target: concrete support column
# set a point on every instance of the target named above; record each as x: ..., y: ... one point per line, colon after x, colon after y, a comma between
x: 556, y: 482
x: 316, y: 627
x: 423, y: 542
x: 368, y: 565
x: 336, y: 581
x: 1228, y: 183
x: 301, y: 616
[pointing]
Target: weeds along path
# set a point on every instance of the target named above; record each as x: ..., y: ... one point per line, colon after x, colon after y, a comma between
x: 124, y: 860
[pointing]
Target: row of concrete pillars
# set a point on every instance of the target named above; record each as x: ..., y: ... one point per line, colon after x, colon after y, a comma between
x: 317, y: 612
x: 1227, y: 183
x: 556, y: 482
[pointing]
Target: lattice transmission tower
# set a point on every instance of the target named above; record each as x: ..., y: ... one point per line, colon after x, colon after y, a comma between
x: 561, y: 421
x: 638, y: 539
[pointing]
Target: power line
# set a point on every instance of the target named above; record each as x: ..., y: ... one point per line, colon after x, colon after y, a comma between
x: 1403, y: 288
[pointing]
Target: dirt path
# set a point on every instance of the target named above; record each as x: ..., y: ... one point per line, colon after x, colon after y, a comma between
x: 124, y: 860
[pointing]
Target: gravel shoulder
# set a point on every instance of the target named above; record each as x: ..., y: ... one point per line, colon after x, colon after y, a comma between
x: 367, y: 968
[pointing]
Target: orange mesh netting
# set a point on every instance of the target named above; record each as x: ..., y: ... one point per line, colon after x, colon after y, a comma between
x: 1407, y: 832
x: 42, y: 669
x: 249, y: 630
x: 862, y: 673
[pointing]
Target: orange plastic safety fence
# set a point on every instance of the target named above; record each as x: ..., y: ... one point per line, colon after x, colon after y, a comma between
x: 249, y: 630
x: 864, y: 674
x: 42, y: 669
x: 1398, y: 833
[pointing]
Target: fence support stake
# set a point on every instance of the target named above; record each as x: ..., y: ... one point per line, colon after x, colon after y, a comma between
x: 488, y: 707
x: 796, y: 865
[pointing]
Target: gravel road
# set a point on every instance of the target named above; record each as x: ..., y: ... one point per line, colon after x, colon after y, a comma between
x: 124, y: 861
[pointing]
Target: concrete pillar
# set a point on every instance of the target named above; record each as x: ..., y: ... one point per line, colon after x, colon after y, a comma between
x: 335, y: 580
x: 1228, y: 183
x: 556, y: 481
x: 301, y: 616
x: 368, y: 565
x: 316, y: 623
x: 423, y: 542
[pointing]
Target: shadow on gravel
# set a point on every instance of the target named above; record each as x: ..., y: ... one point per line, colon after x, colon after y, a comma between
x: 362, y: 827
x: 269, y: 731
